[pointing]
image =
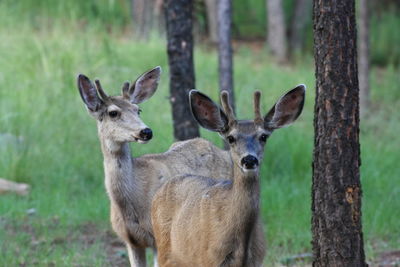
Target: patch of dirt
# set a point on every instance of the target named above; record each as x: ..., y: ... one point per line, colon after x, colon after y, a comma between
x: 84, y: 236
x: 114, y: 247
x: 387, y: 258
x: 383, y: 259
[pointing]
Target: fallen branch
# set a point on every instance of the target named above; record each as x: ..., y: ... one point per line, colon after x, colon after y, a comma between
x: 7, y: 186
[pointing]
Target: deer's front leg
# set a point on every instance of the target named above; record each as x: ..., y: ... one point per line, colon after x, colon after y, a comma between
x: 155, y: 258
x: 137, y: 256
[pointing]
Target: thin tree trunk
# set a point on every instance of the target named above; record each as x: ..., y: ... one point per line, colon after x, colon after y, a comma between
x: 336, y: 190
x: 225, y: 60
x: 137, y: 7
x: 142, y: 17
x: 179, y: 22
x: 147, y: 16
x: 363, y: 56
x: 302, y: 11
x: 276, y: 30
x: 159, y: 19
x: 212, y: 19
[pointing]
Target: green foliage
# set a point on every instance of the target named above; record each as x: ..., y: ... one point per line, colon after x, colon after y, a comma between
x: 249, y: 19
x: 43, y: 12
x: 385, y: 38
x: 52, y: 143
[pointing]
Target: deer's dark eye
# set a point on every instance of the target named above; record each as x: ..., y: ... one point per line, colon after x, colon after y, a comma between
x: 263, y: 137
x: 231, y: 139
x: 113, y: 113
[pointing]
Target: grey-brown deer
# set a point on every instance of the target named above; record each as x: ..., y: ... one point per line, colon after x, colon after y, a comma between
x: 132, y: 182
x: 199, y: 221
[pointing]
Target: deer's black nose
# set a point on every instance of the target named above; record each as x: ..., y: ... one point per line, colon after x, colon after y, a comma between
x: 146, y: 134
x: 249, y: 162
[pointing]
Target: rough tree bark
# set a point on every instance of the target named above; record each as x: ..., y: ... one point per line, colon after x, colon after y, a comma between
x: 336, y: 189
x: 363, y: 56
x: 179, y: 22
x: 276, y: 37
x: 212, y: 19
x: 225, y: 60
x: 302, y: 11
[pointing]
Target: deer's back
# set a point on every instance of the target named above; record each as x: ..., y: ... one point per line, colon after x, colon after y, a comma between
x: 191, y: 157
x: 195, y: 156
x: 151, y: 171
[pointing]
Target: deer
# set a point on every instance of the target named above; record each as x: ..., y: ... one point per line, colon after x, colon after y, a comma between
x: 202, y: 221
x: 132, y: 182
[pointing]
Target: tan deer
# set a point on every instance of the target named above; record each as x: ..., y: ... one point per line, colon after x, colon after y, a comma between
x: 199, y: 221
x: 132, y: 182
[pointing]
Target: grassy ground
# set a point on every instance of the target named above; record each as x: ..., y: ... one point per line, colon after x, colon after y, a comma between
x: 49, y: 141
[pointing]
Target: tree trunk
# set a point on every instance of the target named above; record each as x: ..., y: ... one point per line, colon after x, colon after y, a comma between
x: 179, y: 22
x: 225, y: 61
x: 212, y: 19
x: 225, y: 58
x: 363, y: 56
x: 276, y: 30
x: 302, y: 11
x: 147, y: 16
x: 142, y: 12
x: 336, y: 189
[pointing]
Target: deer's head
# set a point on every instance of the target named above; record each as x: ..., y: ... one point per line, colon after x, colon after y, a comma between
x: 118, y: 117
x: 246, y: 138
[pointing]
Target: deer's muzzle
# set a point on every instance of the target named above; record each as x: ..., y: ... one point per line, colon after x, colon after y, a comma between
x: 146, y: 134
x: 249, y: 162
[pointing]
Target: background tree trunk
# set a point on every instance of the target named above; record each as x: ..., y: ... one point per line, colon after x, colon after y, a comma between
x: 336, y: 189
x: 363, y: 56
x: 212, y: 19
x: 142, y: 12
x: 225, y: 60
x: 179, y: 22
x: 301, y: 13
x: 159, y: 19
x: 147, y: 16
x: 276, y: 30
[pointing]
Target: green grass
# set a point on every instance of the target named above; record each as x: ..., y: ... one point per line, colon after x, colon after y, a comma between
x: 59, y: 155
x: 384, y: 38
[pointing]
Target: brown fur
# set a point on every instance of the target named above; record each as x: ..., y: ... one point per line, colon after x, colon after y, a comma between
x: 132, y: 182
x: 200, y: 221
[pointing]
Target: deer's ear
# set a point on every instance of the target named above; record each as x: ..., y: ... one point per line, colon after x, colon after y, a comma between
x: 287, y: 109
x: 89, y: 93
x: 207, y: 113
x: 145, y: 86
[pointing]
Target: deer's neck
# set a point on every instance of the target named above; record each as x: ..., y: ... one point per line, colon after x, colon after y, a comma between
x: 245, y: 196
x: 118, y: 169
x: 246, y: 184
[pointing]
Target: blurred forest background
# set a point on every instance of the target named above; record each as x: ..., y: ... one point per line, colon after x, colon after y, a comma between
x: 48, y: 141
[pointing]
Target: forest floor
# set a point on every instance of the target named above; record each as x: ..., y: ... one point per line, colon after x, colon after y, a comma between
x: 84, y: 236
x: 89, y: 234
